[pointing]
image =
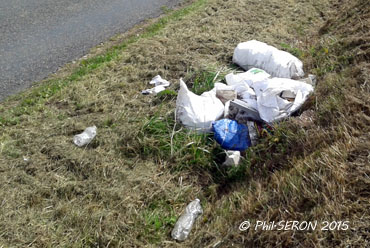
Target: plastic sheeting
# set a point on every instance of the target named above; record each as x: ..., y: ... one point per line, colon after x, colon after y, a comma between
x: 278, y: 98
x: 159, y: 83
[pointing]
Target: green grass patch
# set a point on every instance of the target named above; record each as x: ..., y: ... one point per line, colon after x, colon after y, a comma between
x: 293, y: 50
x: 158, y: 138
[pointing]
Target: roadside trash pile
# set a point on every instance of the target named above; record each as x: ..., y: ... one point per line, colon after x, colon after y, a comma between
x: 238, y: 112
x: 271, y: 89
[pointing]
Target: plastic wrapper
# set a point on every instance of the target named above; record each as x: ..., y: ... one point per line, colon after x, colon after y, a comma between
x: 185, y: 223
x: 85, y: 137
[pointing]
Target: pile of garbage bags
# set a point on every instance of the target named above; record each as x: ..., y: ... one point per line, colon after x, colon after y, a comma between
x: 271, y: 89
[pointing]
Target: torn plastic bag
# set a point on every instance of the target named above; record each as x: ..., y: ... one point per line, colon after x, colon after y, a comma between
x: 197, y: 112
x: 154, y: 90
x: 231, y: 135
x: 157, y: 81
x: 275, y: 62
x: 242, y: 83
x: 278, y: 98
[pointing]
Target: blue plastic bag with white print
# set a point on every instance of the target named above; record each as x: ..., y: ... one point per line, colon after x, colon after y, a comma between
x: 231, y: 135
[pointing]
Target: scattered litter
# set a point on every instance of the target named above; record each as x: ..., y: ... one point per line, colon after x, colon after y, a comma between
x: 184, y: 224
x: 26, y: 159
x: 274, y: 61
x: 231, y: 135
x: 85, y: 137
x: 278, y: 98
x: 154, y: 90
x: 197, y: 112
x: 226, y: 95
x: 159, y: 83
x: 232, y: 158
x: 253, y: 135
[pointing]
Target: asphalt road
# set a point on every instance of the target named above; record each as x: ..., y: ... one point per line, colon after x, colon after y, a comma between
x: 39, y: 36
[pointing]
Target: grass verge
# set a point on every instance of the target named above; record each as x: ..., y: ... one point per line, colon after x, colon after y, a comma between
x: 128, y: 187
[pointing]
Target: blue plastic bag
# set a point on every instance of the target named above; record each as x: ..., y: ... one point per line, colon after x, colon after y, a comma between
x: 231, y: 135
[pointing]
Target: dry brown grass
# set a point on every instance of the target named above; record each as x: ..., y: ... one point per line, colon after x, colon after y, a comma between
x: 126, y: 190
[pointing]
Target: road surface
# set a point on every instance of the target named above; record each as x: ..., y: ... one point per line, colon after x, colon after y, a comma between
x: 39, y: 36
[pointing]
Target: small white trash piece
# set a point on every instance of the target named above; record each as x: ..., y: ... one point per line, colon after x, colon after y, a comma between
x: 184, y: 224
x: 232, y: 158
x: 274, y: 61
x: 85, y: 137
x: 159, y: 83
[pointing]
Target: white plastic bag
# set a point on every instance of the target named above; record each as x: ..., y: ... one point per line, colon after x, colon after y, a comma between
x: 198, y: 112
x: 275, y: 62
x: 273, y: 97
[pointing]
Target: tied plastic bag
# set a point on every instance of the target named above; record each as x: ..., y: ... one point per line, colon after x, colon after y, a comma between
x: 278, y: 98
x: 231, y: 135
x: 276, y: 62
x: 198, y: 112
x: 185, y: 223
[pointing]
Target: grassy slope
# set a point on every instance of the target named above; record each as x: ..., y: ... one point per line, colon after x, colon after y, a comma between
x: 128, y: 187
